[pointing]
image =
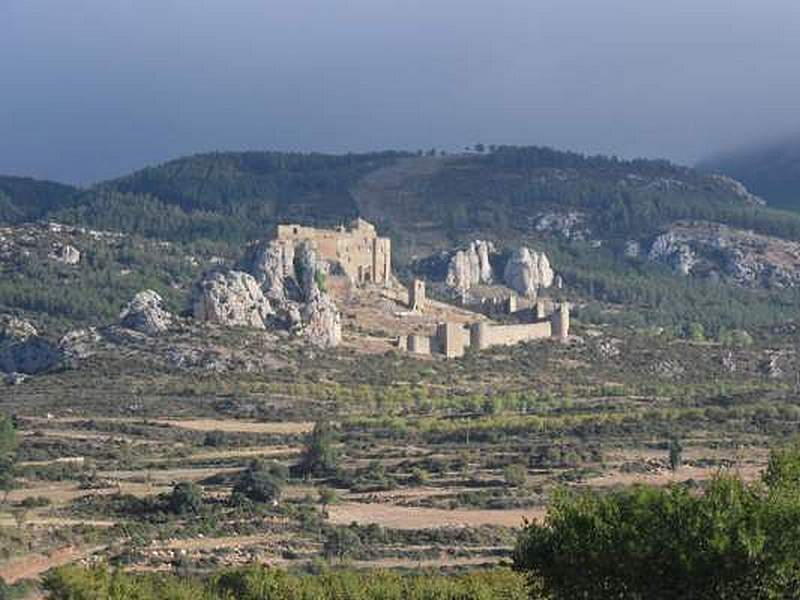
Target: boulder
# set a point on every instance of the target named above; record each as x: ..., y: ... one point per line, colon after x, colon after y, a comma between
x: 528, y: 271
x: 67, y: 254
x: 231, y: 298
x: 322, y: 322
x: 14, y: 328
x: 471, y: 266
x: 22, y: 350
x: 633, y: 249
x: 146, y: 313
x: 78, y: 343
x: 569, y: 225
x: 272, y: 264
x: 668, y: 248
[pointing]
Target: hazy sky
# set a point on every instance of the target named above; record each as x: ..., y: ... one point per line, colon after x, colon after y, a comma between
x: 94, y: 88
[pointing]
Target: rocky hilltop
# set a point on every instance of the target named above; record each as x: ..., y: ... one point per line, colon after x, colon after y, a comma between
x: 719, y: 252
x: 280, y: 285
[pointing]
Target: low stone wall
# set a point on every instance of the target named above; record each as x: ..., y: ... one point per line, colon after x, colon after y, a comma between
x: 485, y: 336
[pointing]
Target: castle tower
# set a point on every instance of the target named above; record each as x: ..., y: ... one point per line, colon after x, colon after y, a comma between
x: 479, y: 336
x: 560, y: 322
x: 417, y: 300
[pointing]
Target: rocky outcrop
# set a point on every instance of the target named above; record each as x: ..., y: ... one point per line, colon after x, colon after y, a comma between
x: 78, y: 343
x: 272, y: 265
x: 322, y: 322
x: 528, y: 271
x: 280, y: 284
x: 719, y: 252
x: 569, y: 225
x: 67, y: 254
x: 632, y: 249
x: 738, y: 189
x: 23, y: 350
x: 146, y: 313
x: 471, y: 266
x: 231, y: 298
x: 14, y: 328
x: 673, y: 250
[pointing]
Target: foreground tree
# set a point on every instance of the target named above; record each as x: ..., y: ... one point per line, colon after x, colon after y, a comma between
x: 735, y: 540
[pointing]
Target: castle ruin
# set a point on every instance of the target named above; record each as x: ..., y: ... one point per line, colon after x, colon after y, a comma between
x: 363, y: 255
x: 453, y: 339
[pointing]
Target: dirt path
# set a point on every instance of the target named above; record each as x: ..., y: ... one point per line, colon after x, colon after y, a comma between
x: 33, y: 565
x: 404, y: 517
x: 229, y: 425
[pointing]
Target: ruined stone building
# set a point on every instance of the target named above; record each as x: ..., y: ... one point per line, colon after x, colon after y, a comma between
x: 364, y: 257
x: 453, y: 339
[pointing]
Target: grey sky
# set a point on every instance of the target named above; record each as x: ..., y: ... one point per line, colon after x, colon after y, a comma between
x: 94, y: 88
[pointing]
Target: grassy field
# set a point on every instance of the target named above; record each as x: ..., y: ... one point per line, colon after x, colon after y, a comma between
x: 438, y: 462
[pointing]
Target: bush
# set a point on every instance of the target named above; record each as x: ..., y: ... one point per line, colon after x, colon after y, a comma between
x: 319, y: 456
x: 515, y: 475
x: 261, y: 481
x: 735, y: 540
x: 186, y: 497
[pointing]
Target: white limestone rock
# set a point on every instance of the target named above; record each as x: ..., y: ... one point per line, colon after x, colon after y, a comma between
x: 675, y: 252
x: 231, y: 298
x: 67, y: 254
x: 471, y: 266
x: 322, y: 322
x: 272, y: 264
x: 528, y: 271
x: 146, y: 313
x: 78, y: 343
x: 23, y: 350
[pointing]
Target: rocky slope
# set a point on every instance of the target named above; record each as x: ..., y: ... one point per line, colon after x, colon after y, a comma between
x: 720, y: 252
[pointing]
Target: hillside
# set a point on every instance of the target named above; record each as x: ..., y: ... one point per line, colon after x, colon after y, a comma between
x: 771, y: 170
x: 588, y: 212
x: 24, y: 199
x: 156, y: 436
x: 417, y: 199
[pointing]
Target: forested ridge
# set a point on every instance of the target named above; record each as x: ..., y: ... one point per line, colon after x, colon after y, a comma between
x: 424, y: 202
x: 772, y: 170
x: 237, y: 196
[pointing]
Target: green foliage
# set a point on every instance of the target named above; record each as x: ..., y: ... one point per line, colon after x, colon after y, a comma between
x: 321, y: 280
x: 185, y: 498
x: 783, y: 469
x: 770, y: 170
x: 228, y: 196
x: 319, y: 458
x: 735, y: 540
x: 328, y: 496
x: 261, y: 481
x: 8, y: 446
x: 259, y: 583
x: 515, y: 475
x: 341, y: 543
x: 675, y: 454
x: 23, y: 199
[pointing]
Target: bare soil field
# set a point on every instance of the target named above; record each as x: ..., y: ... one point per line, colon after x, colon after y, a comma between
x: 404, y: 517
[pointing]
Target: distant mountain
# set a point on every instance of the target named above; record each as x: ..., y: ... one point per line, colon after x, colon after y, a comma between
x: 770, y: 170
x: 24, y: 199
x: 424, y: 203
x: 599, y: 218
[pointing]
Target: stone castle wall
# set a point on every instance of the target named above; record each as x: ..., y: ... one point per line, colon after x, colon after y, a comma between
x: 484, y: 335
x: 453, y: 339
x: 364, y: 257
